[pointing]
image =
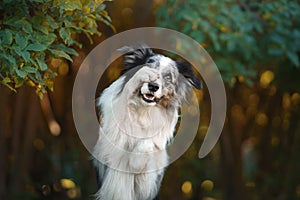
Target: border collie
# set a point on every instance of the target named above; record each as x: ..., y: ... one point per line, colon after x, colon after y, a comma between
x: 139, y: 113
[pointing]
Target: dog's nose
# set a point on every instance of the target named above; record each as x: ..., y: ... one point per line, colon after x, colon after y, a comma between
x: 153, y: 87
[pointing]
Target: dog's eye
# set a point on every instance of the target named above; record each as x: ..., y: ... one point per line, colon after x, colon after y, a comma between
x: 168, y: 77
x: 151, y: 60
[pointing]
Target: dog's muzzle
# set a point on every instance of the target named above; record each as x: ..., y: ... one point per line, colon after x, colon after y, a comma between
x: 153, y: 87
x: 151, y: 92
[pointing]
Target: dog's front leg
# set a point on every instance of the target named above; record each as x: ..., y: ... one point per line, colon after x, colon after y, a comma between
x: 143, y: 165
x: 140, y: 157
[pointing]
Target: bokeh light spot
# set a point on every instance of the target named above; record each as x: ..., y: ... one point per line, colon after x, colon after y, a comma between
x: 38, y: 144
x: 276, y: 122
x: 286, y: 101
x: 266, y: 78
x: 261, y: 119
x: 67, y: 183
x: 73, y: 193
x: 207, y: 185
x: 275, y: 141
x: 46, y: 190
x: 295, y: 98
x: 186, y: 187
x: 298, y: 190
x: 54, y: 127
x: 250, y: 184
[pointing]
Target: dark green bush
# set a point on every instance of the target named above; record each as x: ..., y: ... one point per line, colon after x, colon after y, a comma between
x: 239, y: 35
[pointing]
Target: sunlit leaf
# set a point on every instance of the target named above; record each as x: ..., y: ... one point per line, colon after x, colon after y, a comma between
x: 5, y: 80
x: 70, y: 5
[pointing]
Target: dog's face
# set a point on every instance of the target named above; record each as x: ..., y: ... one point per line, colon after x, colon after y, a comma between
x: 163, y: 81
x: 161, y: 89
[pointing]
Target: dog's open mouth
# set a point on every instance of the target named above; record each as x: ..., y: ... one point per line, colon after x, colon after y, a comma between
x: 149, y: 98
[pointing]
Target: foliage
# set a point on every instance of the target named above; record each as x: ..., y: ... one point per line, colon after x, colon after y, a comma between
x: 32, y: 32
x: 239, y: 36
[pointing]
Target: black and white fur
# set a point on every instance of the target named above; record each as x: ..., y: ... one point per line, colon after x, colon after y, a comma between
x: 139, y: 112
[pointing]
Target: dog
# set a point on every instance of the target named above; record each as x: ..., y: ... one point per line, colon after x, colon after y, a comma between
x: 139, y: 113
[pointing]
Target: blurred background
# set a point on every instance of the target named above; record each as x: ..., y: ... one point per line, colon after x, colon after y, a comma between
x: 255, y: 44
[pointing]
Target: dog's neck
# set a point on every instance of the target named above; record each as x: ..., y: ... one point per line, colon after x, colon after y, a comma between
x: 146, y: 116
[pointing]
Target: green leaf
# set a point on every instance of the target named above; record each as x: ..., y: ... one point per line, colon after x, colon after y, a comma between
x: 25, y: 55
x: 65, y: 34
x: 294, y: 58
x: 43, y: 66
x: 65, y: 49
x: 36, y: 77
x: 275, y: 52
x: 29, y: 69
x: 70, y: 5
x: 41, y: 38
x: 48, y: 39
x: 36, y: 47
x: 100, y: 7
x: 10, y: 59
x: 27, y: 27
x: 41, y: 28
x: 61, y: 54
x: 16, y: 49
x: 6, y: 36
x: 50, y: 22
x: 21, y: 41
x: 277, y: 39
x: 39, y: 78
x: 21, y: 73
x: 40, y: 1
x: 49, y: 84
x: 18, y: 81
x: 53, y: 75
x: 21, y: 24
x: 231, y: 45
x: 37, y: 19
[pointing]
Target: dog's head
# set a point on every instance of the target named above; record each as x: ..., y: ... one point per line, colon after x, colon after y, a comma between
x: 165, y: 82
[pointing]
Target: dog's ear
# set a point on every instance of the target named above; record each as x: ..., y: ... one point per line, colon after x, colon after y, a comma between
x: 135, y: 56
x: 186, y: 70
